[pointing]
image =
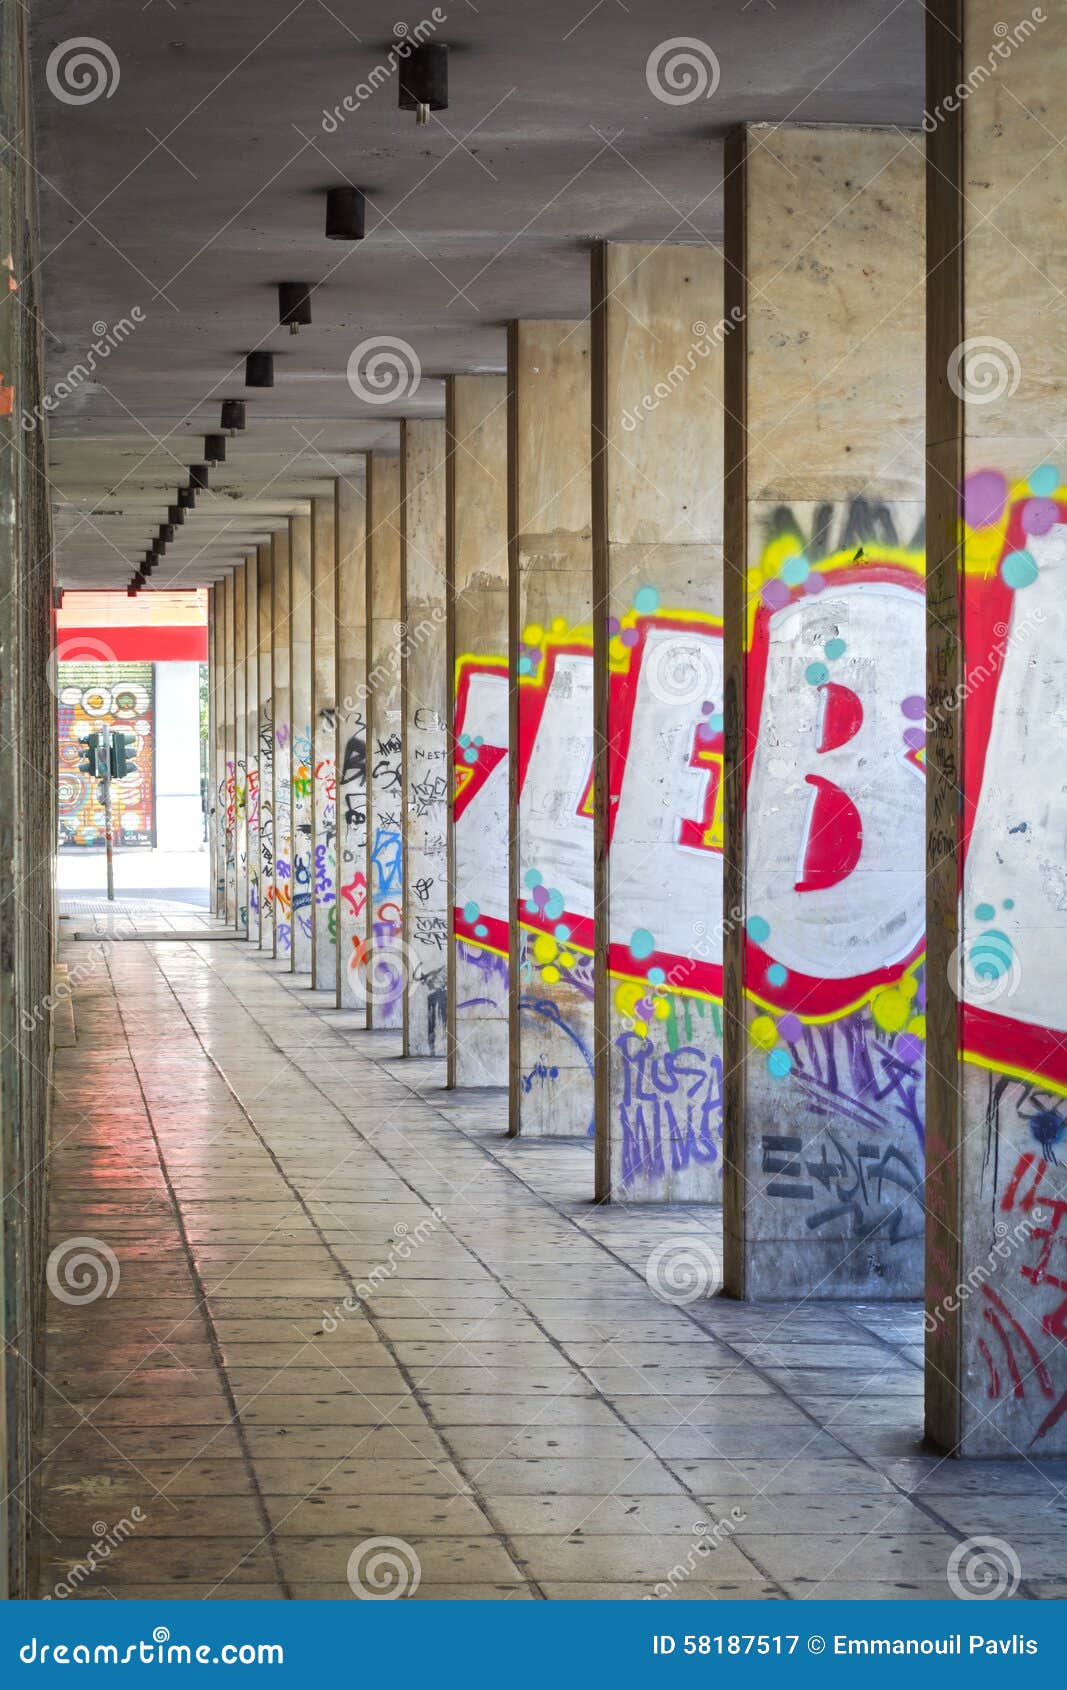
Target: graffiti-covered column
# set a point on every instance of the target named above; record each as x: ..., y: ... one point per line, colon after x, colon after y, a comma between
x: 824, y: 574
x: 384, y: 968
x: 424, y: 754
x: 350, y: 749
x: 324, y: 729
x: 996, y: 1321
x: 264, y: 731
x: 477, y: 606
x: 217, y: 805
x: 281, y: 711
x: 251, y: 668
x: 240, y: 790
x: 229, y: 758
x: 657, y: 532
x: 301, y: 749
x: 550, y: 590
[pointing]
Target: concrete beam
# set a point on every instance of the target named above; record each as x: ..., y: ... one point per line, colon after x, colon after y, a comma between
x: 657, y: 537
x: 281, y: 711
x: 424, y: 755
x: 824, y: 925
x: 324, y: 734
x: 996, y: 1378
x: 385, y: 967
x: 300, y: 769
x: 477, y: 662
x: 350, y: 753
x: 551, y: 729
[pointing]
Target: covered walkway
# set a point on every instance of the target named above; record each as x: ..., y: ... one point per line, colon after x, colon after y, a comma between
x: 349, y: 1308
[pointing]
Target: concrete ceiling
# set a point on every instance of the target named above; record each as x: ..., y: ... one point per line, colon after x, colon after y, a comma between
x: 198, y: 185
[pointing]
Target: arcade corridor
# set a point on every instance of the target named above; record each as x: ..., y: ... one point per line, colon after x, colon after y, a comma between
x: 350, y: 1309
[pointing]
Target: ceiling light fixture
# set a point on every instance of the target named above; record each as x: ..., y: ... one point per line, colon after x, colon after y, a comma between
x: 259, y: 369
x: 294, y: 305
x: 424, y: 79
x: 346, y: 211
x: 233, y: 415
x: 198, y: 477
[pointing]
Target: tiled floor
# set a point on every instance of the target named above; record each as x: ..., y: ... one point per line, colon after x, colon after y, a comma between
x: 346, y: 1308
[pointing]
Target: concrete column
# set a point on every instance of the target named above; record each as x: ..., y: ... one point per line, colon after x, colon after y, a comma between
x: 324, y: 734
x: 350, y: 754
x: 217, y: 762
x: 229, y: 732
x: 179, y: 818
x: 424, y: 755
x: 384, y: 971
x: 300, y: 695
x: 996, y: 1321
x: 824, y: 901
x: 477, y: 605
x: 281, y: 712
x: 252, y: 741
x: 240, y: 793
x: 265, y: 744
x: 657, y: 537
x: 551, y: 728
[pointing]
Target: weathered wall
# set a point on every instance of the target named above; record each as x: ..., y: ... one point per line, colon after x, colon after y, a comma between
x: 424, y: 750
x: 997, y: 726
x: 301, y: 750
x: 657, y: 531
x: 384, y: 970
x: 477, y: 661
x: 281, y: 709
x: 350, y: 754
x: 214, y: 754
x: 551, y: 653
x: 251, y: 669
x: 824, y: 635
x: 265, y: 742
x: 324, y: 730
x: 27, y: 816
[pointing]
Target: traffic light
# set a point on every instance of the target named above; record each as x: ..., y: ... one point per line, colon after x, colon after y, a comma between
x: 123, y: 761
x: 91, y: 761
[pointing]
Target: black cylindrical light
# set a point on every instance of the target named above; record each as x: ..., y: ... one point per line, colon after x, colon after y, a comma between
x: 131, y: 590
x: 259, y: 369
x: 166, y: 531
x: 294, y: 304
x: 159, y: 546
x: 424, y: 79
x: 215, y: 448
x: 198, y: 477
x: 346, y: 211
x: 176, y: 515
x: 187, y: 498
x: 233, y: 415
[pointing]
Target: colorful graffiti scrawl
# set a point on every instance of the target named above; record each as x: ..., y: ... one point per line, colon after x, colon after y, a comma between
x: 324, y: 798
x: 266, y: 823
x: 351, y: 800
x: 480, y: 766
x: 835, y: 889
x: 1013, y: 929
x: 89, y: 695
x: 380, y: 978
